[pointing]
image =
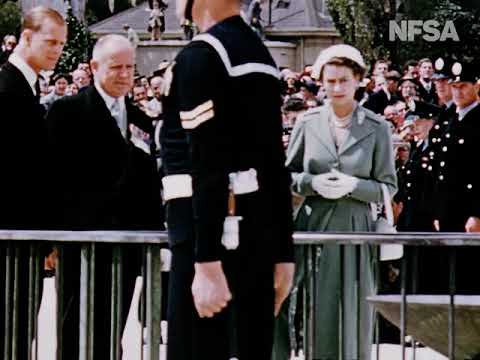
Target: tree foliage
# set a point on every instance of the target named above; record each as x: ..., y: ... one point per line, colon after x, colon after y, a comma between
x: 10, y: 18
x: 78, y: 46
x: 365, y: 24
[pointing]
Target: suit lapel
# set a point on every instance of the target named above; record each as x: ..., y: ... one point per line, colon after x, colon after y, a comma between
x: 100, y: 112
x: 321, y: 129
x: 359, y: 130
x: 23, y: 87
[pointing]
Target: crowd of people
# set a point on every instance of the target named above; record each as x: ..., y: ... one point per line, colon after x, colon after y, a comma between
x: 120, y: 150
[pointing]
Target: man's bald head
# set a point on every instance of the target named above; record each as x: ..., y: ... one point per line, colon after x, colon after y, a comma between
x: 109, y: 44
x: 113, y: 64
x: 156, y: 84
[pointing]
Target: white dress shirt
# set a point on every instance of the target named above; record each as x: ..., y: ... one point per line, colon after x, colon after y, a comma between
x: 463, y: 112
x: 119, y: 115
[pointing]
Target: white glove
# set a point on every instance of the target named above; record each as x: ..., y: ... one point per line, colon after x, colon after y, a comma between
x: 334, y: 184
x: 347, y: 182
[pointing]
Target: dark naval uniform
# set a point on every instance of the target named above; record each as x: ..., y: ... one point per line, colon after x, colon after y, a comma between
x: 458, y: 190
x: 417, y: 192
x: 223, y: 130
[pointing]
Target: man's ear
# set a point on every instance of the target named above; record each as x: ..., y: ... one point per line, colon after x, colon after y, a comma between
x: 26, y: 36
x: 477, y: 87
x: 94, y: 66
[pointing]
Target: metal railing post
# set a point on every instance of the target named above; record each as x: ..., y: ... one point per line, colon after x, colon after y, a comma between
x: 451, y: 306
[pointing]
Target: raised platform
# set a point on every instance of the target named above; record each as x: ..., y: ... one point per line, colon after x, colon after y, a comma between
x: 427, y: 320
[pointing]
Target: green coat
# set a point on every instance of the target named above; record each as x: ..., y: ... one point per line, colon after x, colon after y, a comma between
x: 366, y: 153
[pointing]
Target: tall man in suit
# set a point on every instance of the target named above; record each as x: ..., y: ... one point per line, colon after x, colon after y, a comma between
x: 102, y: 180
x: 21, y: 149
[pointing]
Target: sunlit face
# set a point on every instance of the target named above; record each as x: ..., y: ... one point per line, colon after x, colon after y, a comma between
x: 380, y: 83
x: 464, y: 93
x: 60, y: 86
x: 408, y: 90
x: 443, y: 89
x: 380, y: 69
x: 340, y: 85
x: 139, y: 94
x: 80, y: 78
x: 115, y: 71
x: 426, y: 70
x: 85, y: 67
x: 46, y: 45
x: 157, y: 86
x: 10, y: 43
x: 72, y: 89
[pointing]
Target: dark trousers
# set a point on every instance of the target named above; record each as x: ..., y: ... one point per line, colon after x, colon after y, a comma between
x: 244, y: 329
x: 132, y: 258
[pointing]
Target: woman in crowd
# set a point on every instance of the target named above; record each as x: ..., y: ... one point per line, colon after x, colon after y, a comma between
x: 340, y: 154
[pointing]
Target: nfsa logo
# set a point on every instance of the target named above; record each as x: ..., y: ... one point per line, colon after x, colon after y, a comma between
x: 407, y: 30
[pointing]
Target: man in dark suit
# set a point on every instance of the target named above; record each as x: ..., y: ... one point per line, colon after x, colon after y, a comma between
x: 21, y: 148
x: 458, y: 182
x: 377, y: 102
x: 426, y: 89
x: 409, y: 91
x: 102, y: 180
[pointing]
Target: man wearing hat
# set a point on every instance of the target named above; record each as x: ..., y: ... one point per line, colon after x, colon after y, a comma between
x: 458, y: 181
x: 378, y: 101
x: 409, y: 92
x: 225, y: 170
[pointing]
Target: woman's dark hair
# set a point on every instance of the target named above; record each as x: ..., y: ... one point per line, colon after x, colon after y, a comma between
x: 358, y: 71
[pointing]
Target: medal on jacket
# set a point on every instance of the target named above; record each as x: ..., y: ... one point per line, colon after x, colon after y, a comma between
x: 230, y: 237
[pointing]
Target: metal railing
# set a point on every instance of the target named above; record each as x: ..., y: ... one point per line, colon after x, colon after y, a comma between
x: 21, y: 261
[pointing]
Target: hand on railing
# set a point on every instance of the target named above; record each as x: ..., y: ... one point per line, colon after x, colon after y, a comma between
x: 283, y: 279
x: 210, y: 289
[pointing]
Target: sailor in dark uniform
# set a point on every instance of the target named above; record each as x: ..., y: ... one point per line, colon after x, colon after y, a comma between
x: 458, y: 180
x: 224, y: 164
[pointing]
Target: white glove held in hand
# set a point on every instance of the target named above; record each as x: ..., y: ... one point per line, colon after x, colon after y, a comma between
x: 334, y: 184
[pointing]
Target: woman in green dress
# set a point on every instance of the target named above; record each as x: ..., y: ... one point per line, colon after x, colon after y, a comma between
x: 340, y: 154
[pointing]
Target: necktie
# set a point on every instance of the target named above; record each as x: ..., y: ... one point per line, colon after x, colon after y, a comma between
x: 37, y: 89
x: 117, y: 114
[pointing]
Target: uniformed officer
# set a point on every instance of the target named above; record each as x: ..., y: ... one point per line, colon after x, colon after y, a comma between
x: 458, y: 181
x: 418, y: 175
x: 224, y: 160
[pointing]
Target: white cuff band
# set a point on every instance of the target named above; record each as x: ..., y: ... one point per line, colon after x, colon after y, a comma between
x: 177, y: 186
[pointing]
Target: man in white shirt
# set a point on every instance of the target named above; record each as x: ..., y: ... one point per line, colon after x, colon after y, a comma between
x: 22, y: 184
x: 102, y: 181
